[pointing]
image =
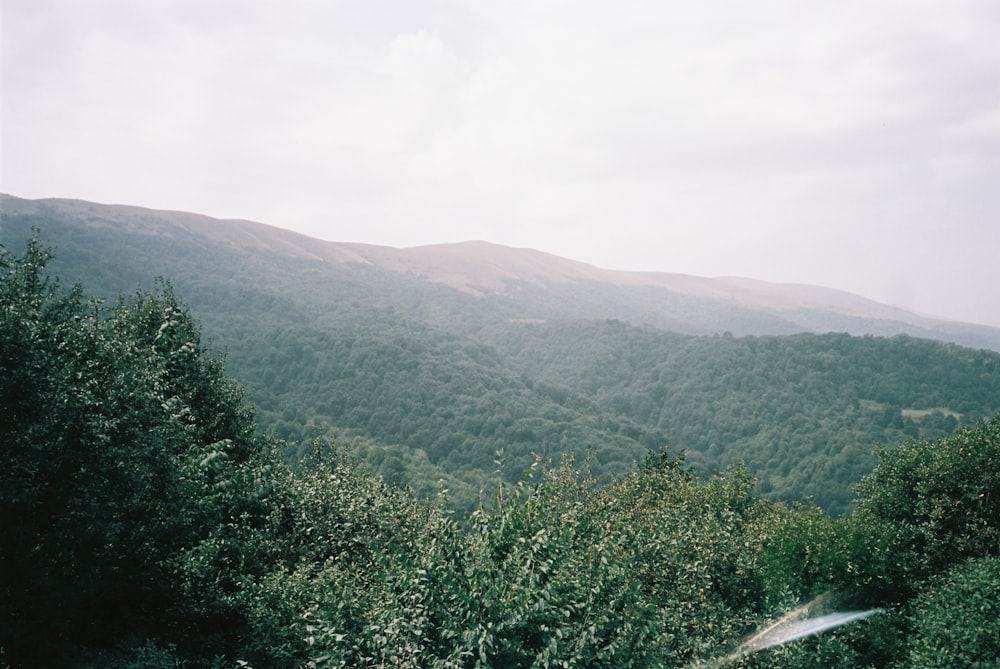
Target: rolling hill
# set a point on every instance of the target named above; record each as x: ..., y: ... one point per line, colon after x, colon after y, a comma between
x: 508, y: 283
x: 427, y: 361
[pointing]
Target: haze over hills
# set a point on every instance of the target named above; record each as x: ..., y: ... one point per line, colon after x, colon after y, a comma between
x: 425, y: 362
x: 514, y: 283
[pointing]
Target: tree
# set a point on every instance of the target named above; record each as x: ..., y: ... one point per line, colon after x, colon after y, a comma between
x: 123, y: 449
x: 957, y: 619
x: 939, y: 501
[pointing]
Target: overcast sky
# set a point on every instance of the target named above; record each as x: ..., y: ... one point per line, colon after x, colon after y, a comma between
x: 848, y: 144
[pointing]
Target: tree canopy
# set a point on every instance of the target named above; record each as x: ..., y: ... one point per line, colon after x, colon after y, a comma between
x: 146, y: 522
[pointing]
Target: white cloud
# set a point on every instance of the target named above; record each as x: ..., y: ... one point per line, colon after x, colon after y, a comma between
x: 844, y: 143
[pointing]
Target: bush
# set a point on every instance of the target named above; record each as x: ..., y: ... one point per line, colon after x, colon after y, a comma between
x: 937, y: 501
x: 956, y: 620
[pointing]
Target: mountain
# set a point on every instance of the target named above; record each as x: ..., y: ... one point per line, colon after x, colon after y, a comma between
x: 427, y: 362
x: 495, y: 282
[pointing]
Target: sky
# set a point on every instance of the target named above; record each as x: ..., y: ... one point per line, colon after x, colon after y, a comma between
x: 848, y: 144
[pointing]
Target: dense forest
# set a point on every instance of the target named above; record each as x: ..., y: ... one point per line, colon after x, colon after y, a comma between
x: 805, y: 413
x: 425, y: 383
x: 147, y: 521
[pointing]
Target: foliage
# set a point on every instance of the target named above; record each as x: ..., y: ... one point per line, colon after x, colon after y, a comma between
x: 804, y: 554
x: 530, y: 584
x: 957, y: 619
x: 804, y: 412
x: 655, y: 569
x: 333, y: 523
x: 923, y: 542
x: 145, y: 522
x: 434, y: 394
x: 937, y: 500
x: 125, y: 453
x: 428, y: 381
x: 694, y: 548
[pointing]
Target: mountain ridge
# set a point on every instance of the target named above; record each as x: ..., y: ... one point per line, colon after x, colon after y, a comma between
x: 525, y: 278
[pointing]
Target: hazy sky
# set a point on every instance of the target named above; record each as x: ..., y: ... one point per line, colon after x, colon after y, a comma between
x: 849, y: 144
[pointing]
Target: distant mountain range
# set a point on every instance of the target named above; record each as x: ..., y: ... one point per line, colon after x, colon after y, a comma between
x: 507, y: 283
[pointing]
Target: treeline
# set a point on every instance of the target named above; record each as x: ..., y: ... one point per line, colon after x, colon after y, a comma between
x: 435, y: 394
x: 804, y: 412
x: 145, y: 522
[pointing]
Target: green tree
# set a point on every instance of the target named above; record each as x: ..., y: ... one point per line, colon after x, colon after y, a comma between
x: 937, y: 502
x: 123, y: 449
x: 533, y: 582
x: 956, y: 620
x: 693, y: 546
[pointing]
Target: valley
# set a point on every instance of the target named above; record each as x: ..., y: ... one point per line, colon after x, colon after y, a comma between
x: 299, y: 461
x: 428, y: 361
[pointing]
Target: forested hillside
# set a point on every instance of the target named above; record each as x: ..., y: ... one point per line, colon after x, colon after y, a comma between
x: 427, y: 381
x: 804, y: 412
x: 459, y: 287
x: 452, y: 403
x: 146, y: 522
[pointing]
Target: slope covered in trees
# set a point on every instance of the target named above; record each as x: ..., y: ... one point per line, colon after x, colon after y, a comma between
x: 221, y: 264
x: 145, y: 523
x: 426, y: 382
x: 804, y: 412
x: 447, y: 398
